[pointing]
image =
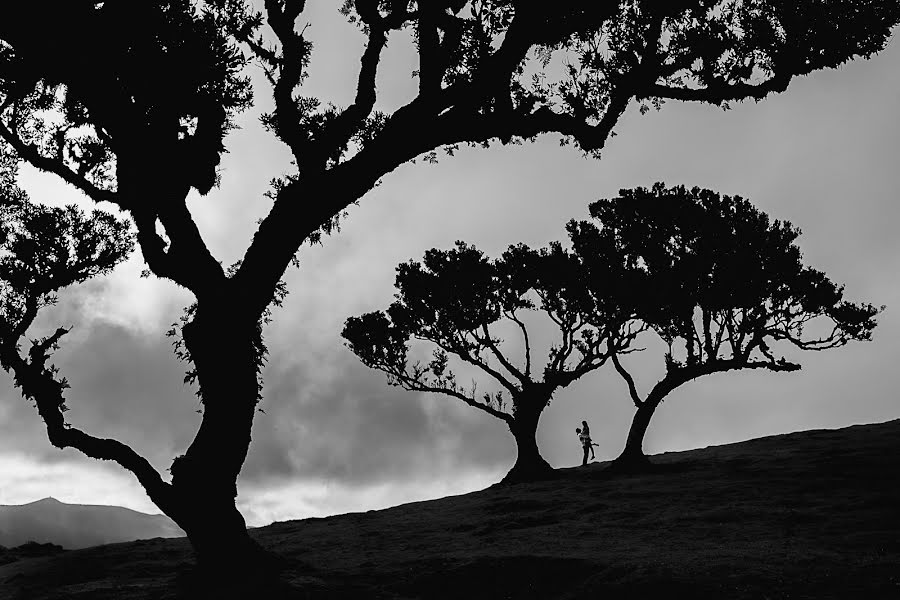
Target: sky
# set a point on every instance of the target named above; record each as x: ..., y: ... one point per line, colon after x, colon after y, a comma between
x: 335, y: 437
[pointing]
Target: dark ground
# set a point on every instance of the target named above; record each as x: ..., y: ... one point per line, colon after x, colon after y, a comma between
x: 814, y: 514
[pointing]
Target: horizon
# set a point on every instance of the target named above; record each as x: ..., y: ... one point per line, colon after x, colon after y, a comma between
x: 335, y: 438
x: 595, y: 463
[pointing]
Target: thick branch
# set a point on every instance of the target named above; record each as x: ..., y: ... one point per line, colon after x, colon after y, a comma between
x: 28, y: 316
x: 719, y: 92
x: 339, y: 133
x: 186, y: 260
x: 39, y: 384
x: 281, y: 17
x: 430, y: 71
x: 681, y: 375
x: 303, y: 206
x: 632, y: 389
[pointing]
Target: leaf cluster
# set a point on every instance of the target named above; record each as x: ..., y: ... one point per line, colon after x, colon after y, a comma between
x: 103, y: 81
x: 45, y: 249
x: 716, y: 277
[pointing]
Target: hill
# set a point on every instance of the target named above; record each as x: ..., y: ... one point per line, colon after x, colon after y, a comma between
x: 79, y: 525
x: 813, y: 514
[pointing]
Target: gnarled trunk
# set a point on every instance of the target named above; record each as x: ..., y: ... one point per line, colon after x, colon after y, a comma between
x: 218, y: 534
x: 632, y: 457
x: 529, y: 465
x: 225, y: 355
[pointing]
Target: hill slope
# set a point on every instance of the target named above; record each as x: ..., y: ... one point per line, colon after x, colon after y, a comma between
x: 813, y: 514
x: 79, y: 525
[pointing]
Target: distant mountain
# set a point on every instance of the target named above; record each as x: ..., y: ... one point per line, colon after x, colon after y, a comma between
x: 79, y: 525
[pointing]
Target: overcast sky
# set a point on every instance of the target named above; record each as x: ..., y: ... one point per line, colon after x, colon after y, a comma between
x: 335, y: 437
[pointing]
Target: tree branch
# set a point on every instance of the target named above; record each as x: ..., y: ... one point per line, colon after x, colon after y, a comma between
x: 512, y: 317
x: 39, y: 384
x: 338, y: 134
x: 303, y: 206
x: 31, y: 154
x: 186, y: 260
x: 461, y: 351
x: 414, y: 382
x: 510, y: 368
x: 281, y: 17
x: 430, y: 71
x: 719, y: 92
x: 632, y: 389
x: 460, y: 396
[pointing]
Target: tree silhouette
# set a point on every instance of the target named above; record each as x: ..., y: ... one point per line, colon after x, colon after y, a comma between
x: 722, y: 285
x: 457, y: 300
x: 130, y: 103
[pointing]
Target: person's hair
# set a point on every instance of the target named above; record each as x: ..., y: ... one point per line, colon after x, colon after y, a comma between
x: 577, y: 430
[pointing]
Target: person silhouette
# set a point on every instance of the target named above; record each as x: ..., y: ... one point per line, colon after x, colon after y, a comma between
x: 586, y: 431
x: 585, y: 444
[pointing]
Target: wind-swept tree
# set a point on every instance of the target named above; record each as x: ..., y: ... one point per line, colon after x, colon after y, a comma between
x: 724, y: 287
x: 458, y: 300
x: 130, y: 103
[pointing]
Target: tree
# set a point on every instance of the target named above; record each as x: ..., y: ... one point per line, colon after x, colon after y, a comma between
x: 457, y: 300
x: 130, y: 102
x: 722, y: 286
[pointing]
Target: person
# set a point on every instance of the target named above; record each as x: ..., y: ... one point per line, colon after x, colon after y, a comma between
x: 584, y: 435
x: 586, y: 430
x: 585, y: 444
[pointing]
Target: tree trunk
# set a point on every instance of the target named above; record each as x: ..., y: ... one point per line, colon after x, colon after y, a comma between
x: 530, y: 465
x: 218, y: 534
x: 204, y: 479
x: 632, y: 457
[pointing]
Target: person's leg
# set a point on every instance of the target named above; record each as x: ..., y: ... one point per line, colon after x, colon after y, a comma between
x: 584, y: 458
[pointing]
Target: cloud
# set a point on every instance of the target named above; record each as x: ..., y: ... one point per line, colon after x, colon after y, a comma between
x: 346, y: 425
x: 24, y: 479
x: 124, y: 385
x: 327, y: 418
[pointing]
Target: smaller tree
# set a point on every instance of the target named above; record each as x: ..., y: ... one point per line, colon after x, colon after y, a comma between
x: 721, y: 286
x: 457, y: 300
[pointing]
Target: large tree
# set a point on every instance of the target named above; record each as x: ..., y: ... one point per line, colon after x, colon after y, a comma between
x: 130, y: 103
x: 460, y: 303
x: 719, y: 283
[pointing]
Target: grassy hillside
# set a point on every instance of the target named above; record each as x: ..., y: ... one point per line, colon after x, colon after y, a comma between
x: 813, y: 514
